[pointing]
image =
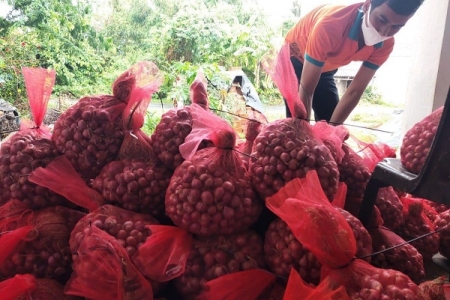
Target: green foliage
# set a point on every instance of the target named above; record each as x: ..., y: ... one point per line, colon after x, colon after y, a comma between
x: 372, y: 96
x: 60, y: 37
x: 152, y: 119
x: 90, y: 43
x: 18, y: 50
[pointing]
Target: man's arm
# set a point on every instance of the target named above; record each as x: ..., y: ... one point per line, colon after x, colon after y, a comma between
x: 352, y: 95
x: 308, y: 83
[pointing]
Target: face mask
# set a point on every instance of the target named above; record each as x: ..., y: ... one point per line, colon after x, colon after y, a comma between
x: 371, y: 35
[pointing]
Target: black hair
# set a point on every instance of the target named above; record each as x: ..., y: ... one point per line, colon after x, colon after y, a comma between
x: 400, y: 7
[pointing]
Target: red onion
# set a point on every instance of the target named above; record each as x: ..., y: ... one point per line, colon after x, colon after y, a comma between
x: 417, y: 141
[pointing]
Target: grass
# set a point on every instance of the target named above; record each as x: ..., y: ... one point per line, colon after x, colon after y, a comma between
x: 370, y: 119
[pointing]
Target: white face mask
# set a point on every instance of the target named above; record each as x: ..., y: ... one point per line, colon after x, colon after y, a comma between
x: 371, y: 35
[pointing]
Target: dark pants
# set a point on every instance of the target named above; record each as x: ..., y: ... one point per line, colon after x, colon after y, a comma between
x: 326, y: 95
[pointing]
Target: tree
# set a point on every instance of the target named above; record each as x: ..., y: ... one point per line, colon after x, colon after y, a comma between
x: 63, y: 39
x: 289, y: 22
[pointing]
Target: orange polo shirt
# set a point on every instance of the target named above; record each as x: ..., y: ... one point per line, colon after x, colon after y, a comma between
x: 328, y: 37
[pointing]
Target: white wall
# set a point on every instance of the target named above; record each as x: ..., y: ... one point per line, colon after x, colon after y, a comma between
x: 429, y: 78
x: 392, y: 77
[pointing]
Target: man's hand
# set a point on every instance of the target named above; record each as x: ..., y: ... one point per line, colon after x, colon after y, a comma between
x: 308, y: 83
x: 351, y: 97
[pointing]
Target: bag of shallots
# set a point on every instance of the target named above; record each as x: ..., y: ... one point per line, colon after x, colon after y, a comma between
x: 387, y: 201
x: 326, y: 233
x: 416, y: 222
x: 176, y: 125
x: 102, y: 269
x: 287, y: 149
x: 296, y: 287
x: 135, y: 233
x: 28, y: 287
x: 394, y: 253
x: 249, y: 285
x: 215, y: 257
x: 284, y: 252
x: 417, y: 141
x: 210, y: 192
x: 137, y: 180
x: 245, y: 147
x: 30, y: 148
x: 36, y: 242
x: 90, y: 133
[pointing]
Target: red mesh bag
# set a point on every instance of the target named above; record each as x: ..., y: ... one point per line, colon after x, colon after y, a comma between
x: 91, y: 132
x: 176, y: 125
x: 417, y: 141
x: 442, y: 225
x: 197, y: 91
x: 365, y: 282
x: 138, y: 180
x: 433, y: 289
x: 387, y: 200
x: 275, y: 292
x: 163, y: 255
x: 296, y: 286
x: 102, y: 269
x: 36, y: 242
x: 210, y: 192
x: 27, y: 287
x: 129, y: 228
x: 283, y: 252
x: 217, y: 256
x: 417, y: 223
x: 245, y: 148
x: 332, y: 137
x: 30, y: 148
x: 390, y: 206
x: 301, y: 197
x: 61, y: 177
x: 373, y: 153
x: 160, y: 257
x: 288, y: 149
x: 362, y: 236
x: 308, y: 214
x: 134, y: 185
x: 404, y: 258
x: 355, y: 174
x: 248, y: 285
x: 438, y: 207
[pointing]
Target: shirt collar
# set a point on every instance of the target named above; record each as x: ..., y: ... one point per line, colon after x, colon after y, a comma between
x: 354, y: 30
